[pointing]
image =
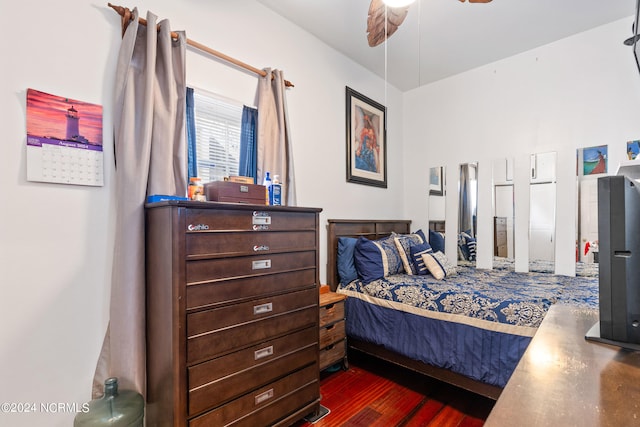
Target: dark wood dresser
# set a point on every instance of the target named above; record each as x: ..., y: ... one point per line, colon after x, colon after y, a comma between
x: 564, y: 380
x: 232, y: 314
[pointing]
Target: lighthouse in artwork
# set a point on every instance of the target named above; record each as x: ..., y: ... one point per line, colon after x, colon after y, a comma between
x: 73, y: 129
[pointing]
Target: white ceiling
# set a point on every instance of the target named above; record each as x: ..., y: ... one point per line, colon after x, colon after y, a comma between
x: 440, y: 38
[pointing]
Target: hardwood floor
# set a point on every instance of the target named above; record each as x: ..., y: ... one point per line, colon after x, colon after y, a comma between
x: 374, y: 393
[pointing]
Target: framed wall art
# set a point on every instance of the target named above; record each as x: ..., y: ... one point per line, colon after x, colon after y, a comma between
x: 366, y: 140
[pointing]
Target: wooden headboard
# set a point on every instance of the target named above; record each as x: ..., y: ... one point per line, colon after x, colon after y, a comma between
x: 370, y: 229
x: 437, y: 225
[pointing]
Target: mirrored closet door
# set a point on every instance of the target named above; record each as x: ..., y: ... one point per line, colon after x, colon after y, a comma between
x: 591, y: 165
x: 503, y: 214
x: 467, y: 213
x: 437, y: 211
x: 542, y: 214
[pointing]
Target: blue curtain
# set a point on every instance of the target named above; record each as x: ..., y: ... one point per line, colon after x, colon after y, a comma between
x: 248, y: 143
x: 191, y: 137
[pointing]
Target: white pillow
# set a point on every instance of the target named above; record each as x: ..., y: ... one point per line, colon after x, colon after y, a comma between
x: 438, y: 265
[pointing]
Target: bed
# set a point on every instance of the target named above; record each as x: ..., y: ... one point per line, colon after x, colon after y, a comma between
x: 469, y: 329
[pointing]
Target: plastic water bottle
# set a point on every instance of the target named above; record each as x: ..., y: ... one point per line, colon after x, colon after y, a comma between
x: 267, y: 185
x: 113, y: 409
x: 276, y: 191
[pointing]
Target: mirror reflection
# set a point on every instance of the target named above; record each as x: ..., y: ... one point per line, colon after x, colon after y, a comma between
x: 591, y: 165
x: 503, y: 214
x: 542, y: 190
x: 437, y: 193
x: 467, y: 213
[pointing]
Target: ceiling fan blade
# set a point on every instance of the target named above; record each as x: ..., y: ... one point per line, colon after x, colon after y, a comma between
x: 383, y: 21
x: 477, y: 1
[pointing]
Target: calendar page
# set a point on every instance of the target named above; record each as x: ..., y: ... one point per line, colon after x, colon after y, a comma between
x: 64, y: 140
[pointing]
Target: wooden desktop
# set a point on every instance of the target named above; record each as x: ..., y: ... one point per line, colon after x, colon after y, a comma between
x: 564, y: 380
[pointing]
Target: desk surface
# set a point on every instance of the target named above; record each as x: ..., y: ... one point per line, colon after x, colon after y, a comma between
x: 564, y: 380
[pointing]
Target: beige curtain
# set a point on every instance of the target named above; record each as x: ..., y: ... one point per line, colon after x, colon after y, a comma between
x: 150, y: 156
x: 274, y: 139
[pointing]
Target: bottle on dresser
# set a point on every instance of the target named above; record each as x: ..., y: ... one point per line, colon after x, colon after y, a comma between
x: 275, y: 193
x: 267, y: 186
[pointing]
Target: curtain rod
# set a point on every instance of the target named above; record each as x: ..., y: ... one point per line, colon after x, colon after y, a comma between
x: 126, y: 17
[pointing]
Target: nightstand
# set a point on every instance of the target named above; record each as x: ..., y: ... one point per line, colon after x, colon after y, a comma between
x: 333, y: 339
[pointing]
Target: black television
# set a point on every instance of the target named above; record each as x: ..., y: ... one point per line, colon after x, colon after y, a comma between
x: 619, y: 259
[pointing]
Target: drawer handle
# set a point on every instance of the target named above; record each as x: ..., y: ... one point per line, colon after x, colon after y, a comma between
x: 329, y: 347
x: 261, y: 218
x: 263, y: 352
x: 330, y: 327
x: 263, y: 397
x: 261, y: 264
x: 329, y: 306
x: 262, y: 308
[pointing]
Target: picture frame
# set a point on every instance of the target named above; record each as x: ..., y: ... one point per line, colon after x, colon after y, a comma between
x: 366, y: 124
x: 436, y: 181
x: 595, y: 160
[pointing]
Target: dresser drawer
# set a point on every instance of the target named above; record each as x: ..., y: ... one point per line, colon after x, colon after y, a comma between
x: 211, y: 320
x: 332, y: 333
x: 225, y: 244
x: 241, y: 289
x: 220, y: 380
x: 332, y: 354
x: 268, y: 404
x: 215, y: 343
x: 331, y: 313
x: 202, y: 220
x: 228, y: 268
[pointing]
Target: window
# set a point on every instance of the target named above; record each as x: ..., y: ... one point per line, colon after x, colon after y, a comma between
x: 218, y: 124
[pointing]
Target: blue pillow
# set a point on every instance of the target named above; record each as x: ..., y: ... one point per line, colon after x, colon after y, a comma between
x: 436, y: 240
x: 421, y: 234
x: 416, y: 258
x: 346, y: 265
x: 376, y: 259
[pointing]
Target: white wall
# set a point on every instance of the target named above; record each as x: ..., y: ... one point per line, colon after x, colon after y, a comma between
x: 56, y: 240
x: 578, y: 92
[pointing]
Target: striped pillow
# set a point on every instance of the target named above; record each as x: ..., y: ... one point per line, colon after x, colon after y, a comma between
x: 416, y: 258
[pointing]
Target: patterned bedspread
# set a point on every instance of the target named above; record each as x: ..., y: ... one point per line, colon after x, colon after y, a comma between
x: 583, y: 269
x: 497, y: 300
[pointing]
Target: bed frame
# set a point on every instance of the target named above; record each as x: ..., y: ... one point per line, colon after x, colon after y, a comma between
x: 372, y: 230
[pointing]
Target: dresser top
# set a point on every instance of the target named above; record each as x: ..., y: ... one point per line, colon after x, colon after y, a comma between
x: 564, y: 380
x: 227, y: 206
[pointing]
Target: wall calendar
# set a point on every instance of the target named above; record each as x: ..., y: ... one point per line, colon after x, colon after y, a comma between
x: 64, y: 140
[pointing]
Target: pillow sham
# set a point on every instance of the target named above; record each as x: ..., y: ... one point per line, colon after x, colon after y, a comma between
x: 438, y: 265
x: 346, y: 265
x: 416, y: 258
x: 466, y: 247
x: 436, y: 240
x: 375, y: 259
x: 403, y: 243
